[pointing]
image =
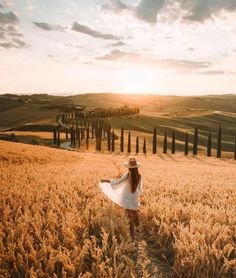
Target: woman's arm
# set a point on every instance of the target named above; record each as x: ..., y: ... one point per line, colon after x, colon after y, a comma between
x: 140, y: 187
x: 122, y: 179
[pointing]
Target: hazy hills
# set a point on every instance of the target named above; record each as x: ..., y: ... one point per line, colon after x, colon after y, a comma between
x: 167, y: 112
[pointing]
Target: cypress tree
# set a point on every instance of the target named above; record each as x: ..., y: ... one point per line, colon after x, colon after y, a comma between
x: 209, y: 145
x: 99, y: 139
x: 113, y: 141
x: 87, y: 138
x: 219, y: 142
x: 74, y: 138
x: 129, y: 143
x: 58, y: 136
x: 186, y: 144
x: 195, y: 141
x: 137, y: 145
x: 165, y: 143
x: 144, y: 146
x: 93, y: 127
x: 76, y: 123
x: 173, y: 143
x: 78, y: 140
x: 154, y: 141
x: 71, y: 135
x: 77, y: 133
x: 108, y: 139
x: 54, y: 136
x: 96, y: 137
x: 122, y: 140
x: 82, y: 133
x: 66, y: 133
x: 235, y: 149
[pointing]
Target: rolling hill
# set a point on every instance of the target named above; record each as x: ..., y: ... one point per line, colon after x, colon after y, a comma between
x: 19, y: 109
x: 168, y: 113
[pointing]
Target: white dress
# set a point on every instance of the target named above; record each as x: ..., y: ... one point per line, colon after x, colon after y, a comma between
x: 119, y: 191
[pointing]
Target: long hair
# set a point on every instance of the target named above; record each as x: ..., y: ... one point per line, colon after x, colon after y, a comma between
x: 134, y: 178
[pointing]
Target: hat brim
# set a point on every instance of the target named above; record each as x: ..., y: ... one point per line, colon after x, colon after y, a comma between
x: 127, y: 165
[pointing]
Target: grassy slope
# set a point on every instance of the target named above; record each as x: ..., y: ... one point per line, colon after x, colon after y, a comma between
x: 17, y: 110
x: 157, y: 103
x: 187, y: 214
x: 205, y: 123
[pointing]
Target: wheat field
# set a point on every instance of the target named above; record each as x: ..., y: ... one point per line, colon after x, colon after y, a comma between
x: 55, y: 222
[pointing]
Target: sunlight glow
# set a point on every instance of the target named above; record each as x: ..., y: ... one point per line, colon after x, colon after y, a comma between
x: 138, y: 80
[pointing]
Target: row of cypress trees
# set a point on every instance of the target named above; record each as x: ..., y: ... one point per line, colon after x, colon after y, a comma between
x: 100, y: 130
x: 173, y: 144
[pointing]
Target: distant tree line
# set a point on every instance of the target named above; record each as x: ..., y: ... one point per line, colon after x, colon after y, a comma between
x: 87, y: 114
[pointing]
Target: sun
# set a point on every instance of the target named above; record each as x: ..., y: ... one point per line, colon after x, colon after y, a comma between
x: 138, y: 80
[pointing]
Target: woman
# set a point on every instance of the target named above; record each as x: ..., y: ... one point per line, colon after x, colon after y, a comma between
x: 126, y: 191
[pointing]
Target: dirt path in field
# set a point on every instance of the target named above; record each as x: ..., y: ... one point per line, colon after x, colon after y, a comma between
x: 66, y: 145
x: 154, y: 268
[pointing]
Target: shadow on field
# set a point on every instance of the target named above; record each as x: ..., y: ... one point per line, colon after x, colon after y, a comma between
x: 172, y: 157
x: 162, y: 157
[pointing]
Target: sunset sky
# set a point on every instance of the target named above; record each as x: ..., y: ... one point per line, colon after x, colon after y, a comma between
x: 179, y: 47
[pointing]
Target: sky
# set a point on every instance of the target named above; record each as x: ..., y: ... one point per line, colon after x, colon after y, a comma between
x: 181, y: 47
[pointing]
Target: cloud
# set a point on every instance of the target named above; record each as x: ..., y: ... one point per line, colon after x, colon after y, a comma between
x: 6, y: 45
x: 15, y: 43
x: 119, y: 43
x: 78, y: 28
x: 30, y: 6
x: 113, y: 55
x: 8, y: 17
x: 49, y: 27
x: 10, y: 36
x: 213, y: 72
x: 2, y: 35
x: 19, y: 43
x: 154, y: 62
x: 6, y: 3
x: 147, y: 10
x: 194, y: 10
x: 93, y: 33
x: 205, y: 9
x: 115, y: 5
x: 74, y: 45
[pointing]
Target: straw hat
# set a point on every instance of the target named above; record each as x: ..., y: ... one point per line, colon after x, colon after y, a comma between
x: 132, y: 163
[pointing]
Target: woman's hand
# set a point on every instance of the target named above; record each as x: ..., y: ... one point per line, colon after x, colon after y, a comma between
x: 141, y: 200
x: 105, y: 180
x: 119, y: 176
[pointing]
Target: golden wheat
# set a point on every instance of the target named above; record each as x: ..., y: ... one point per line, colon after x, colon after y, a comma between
x: 55, y: 220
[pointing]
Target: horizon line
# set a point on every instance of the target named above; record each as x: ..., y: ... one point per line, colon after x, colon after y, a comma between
x: 116, y: 93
